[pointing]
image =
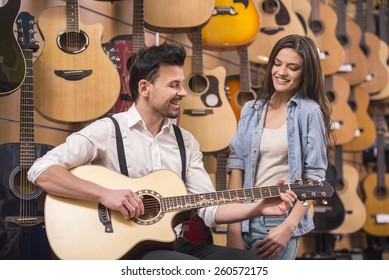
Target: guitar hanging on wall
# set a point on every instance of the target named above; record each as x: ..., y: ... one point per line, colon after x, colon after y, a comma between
x: 12, y: 64
x: 75, y: 81
x: 22, y: 231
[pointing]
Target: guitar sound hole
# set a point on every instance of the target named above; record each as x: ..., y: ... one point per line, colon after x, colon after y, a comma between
x: 73, y: 42
x: 330, y: 96
x: 270, y: 7
x: 21, y: 187
x: 152, y: 208
x: 243, y: 97
x: 198, y: 83
x: 316, y: 27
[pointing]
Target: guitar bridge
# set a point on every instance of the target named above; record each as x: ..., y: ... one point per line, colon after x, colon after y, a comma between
x: 105, y: 218
x: 73, y: 75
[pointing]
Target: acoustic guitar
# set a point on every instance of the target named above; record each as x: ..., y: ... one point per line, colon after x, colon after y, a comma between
x: 239, y: 87
x: 22, y: 229
x: 12, y: 64
x: 355, y: 66
x: 205, y: 111
x: 75, y: 81
x: 384, y: 50
x: 79, y: 229
x: 376, y: 188
x: 170, y: 16
x: 370, y: 43
x: 323, y: 21
x: 365, y: 136
x: 277, y: 19
x: 233, y: 24
x: 344, y: 121
x: 346, y: 187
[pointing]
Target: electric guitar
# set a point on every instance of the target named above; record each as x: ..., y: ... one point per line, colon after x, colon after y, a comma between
x: 344, y: 121
x: 240, y: 89
x: 79, y: 229
x: 22, y: 230
x: 376, y: 187
x: 347, y: 188
x: 75, y: 81
x: 384, y: 50
x: 233, y: 24
x: 355, y: 66
x: 205, y: 111
x: 377, y: 76
x: 169, y: 16
x: 277, y: 20
x: 365, y: 136
x: 323, y: 21
x: 12, y: 64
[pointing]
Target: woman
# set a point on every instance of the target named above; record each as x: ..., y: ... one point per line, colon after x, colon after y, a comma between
x: 282, y: 136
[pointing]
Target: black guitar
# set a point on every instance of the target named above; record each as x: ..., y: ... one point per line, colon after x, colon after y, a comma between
x: 22, y: 233
x: 12, y: 64
x: 329, y: 214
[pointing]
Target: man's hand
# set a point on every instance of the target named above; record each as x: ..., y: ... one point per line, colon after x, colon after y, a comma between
x: 125, y: 201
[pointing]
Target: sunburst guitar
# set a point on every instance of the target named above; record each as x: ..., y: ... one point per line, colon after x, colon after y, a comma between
x: 277, y: 19
x: 233, y: 24
x: 205, y: 111
x: 75, y: 81
x: 79, y: 229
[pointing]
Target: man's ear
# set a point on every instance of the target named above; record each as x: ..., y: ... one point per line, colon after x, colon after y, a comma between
x: 143, y: 88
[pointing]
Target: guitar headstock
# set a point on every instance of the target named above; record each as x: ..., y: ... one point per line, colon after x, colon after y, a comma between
x: 309, y: 189
x: 25, y: 25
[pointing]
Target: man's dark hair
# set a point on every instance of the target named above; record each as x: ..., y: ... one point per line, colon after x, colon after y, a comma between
x: 147, y: 61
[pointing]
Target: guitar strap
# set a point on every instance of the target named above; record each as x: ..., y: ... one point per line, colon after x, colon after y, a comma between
x: 120, y: 148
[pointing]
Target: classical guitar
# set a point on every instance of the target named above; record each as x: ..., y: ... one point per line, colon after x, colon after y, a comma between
x: 79, y: 229
x: 376, y: 188
x: 277, y: 19
x: 384, y: 49
x: 12, y: 64
x: 323, y: 21
x: 233, y: 24
x: 21, y: 205
x: 75, y: 81
x: 205, y: 111
x: 240, y: 88
x: 303, y: 10
x: 365, y: 136
x: 344, y: 121
x: 370, y: 43
x: 355, y: 66
x: 346, y: 187
x: 170, y: 16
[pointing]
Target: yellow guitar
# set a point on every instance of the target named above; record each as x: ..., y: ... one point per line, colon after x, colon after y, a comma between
x: 78, y: 229
x: 205, y: 111
x: 75, y: 81
x: 233, y: 24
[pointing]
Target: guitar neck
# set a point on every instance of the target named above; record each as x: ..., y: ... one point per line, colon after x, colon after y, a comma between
x: 72, y: 16
x: 138, y: 37
x: 197, y: 52
x: 244, y: 70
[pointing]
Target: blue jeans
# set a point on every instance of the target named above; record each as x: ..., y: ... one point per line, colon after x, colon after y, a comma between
x: 259, y: 229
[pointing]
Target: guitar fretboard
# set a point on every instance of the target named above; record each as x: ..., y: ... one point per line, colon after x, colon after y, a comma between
x: 72, y: 16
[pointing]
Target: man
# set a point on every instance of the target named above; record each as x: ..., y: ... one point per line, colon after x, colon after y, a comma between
x: 150, y: 144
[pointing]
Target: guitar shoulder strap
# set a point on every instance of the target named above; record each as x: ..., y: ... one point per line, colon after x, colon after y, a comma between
x: 120, y: 148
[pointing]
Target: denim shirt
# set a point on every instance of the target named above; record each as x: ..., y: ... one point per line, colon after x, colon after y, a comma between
x: 307, y: 146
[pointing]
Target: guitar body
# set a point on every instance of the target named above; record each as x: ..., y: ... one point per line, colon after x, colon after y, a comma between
x: 324, y: 28
x: 354, y: 55
x: 170, y: 16
x: 384, y: 58
x: 376, y: 203
x: 277, y: 20
x: 207, y: 120
x: 20, y: 241
x: 12, y: 65
x: 65, y: 98
x: 345, y: 121
x: 303, y: 11
x: 128, y: 237
x: 355, y: 212
x: 233, y: 24
x: 359, y: 103
x: 329, y: 214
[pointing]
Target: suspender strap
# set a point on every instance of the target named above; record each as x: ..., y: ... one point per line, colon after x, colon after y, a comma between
x: 181, y: 146
x: 120, y: 147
